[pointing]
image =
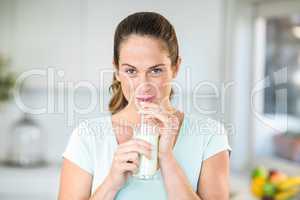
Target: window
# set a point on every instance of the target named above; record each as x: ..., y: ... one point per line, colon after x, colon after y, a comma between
x: 282, y: 65
x: 276, y: 128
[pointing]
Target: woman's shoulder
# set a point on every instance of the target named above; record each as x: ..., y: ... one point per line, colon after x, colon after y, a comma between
x: 97, y: 128
x: 213, y: 133
x: 203, y: 124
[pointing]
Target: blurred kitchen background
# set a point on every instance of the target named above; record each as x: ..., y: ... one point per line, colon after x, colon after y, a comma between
x: 241, y: 65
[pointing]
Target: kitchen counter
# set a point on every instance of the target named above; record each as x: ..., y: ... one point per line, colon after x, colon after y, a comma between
x: 29, y: 183
x: 43, y: 183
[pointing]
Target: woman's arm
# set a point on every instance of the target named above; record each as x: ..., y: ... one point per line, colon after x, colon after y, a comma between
x: 176, y: 182
x: 213, y: 180
x: 76, y: 184
x: 105, y: 191
x: 214, y: 177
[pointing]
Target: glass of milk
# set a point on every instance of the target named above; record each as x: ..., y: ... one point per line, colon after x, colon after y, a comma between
x: 147, y: 167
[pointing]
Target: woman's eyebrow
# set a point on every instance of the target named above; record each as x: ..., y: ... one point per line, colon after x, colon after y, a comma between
x: 154, y: 66
x: 158, y: 65
x: 125, y: 64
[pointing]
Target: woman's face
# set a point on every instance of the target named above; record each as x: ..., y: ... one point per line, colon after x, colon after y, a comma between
x: 145, y: 70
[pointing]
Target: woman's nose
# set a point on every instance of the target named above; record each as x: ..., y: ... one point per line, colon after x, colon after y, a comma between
x: 143, y: 78
x: 144, y: 84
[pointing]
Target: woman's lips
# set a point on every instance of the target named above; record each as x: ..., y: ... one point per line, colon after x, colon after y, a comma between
x: 145, y: 98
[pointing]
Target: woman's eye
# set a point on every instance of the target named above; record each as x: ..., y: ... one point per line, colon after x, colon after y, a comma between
x: 130, y: 71
x: 156, y: 71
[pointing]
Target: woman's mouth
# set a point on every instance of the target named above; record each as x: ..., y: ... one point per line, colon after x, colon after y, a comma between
x: 147, y: 98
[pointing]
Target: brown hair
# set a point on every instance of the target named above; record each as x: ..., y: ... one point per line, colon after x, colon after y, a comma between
x: 145, y: 24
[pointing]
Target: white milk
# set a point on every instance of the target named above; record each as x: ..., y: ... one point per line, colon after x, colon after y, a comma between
x: 147, y: 168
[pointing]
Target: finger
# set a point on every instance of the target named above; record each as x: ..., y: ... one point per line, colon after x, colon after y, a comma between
x: 128, y: 167
x: 156, y: 107
x: 126, y: 158
x: 135, y: 148
x: 138, y: 142
x: 150, y: 114
x: 167, y: 125
x: 145, y: 104
x: 132, y: 157
x: 155, y: 118
x: 137, y: 162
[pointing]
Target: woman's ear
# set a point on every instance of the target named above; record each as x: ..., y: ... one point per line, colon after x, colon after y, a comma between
x: 176, y: 67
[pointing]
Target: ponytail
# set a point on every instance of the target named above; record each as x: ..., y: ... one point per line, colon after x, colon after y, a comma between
x: 118, y: 100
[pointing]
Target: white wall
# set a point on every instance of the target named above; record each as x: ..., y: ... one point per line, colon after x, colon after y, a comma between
x: 5, y: 27
x: 77, y: 35
x: 239, y: 72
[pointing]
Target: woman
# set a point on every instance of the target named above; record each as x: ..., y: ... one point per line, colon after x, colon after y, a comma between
x: 193, y: 163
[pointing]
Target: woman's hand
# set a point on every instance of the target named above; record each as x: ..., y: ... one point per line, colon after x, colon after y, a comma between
x: 168, y: 124
x: 126, y: 162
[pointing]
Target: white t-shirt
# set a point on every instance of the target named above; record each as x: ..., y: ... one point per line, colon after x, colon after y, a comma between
x: 92, y: 145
